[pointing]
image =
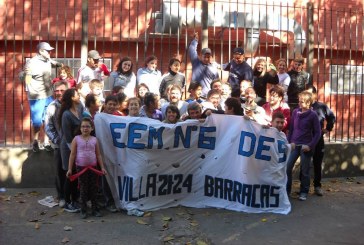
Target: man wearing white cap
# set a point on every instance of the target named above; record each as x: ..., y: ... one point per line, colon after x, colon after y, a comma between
x: 39, y: 89
x: 88, y: 72
x: 93, y: 69
x: 204, y: 70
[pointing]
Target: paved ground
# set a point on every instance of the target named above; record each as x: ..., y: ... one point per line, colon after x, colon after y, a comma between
x: 336, y: 218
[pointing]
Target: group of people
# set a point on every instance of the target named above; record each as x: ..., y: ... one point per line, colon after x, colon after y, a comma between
x: 66, y: 106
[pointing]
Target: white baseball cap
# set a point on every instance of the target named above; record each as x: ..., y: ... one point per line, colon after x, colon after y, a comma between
x: 45, y: 46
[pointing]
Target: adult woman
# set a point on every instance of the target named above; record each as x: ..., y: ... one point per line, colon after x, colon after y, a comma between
x: 150, y: 75
x: 64, y: 74
x: 151, y: 107
x: 263, y: 75
x: 173, y: 77
x: 283, y: 77
x: 70, y: 116
x: 124, y: 77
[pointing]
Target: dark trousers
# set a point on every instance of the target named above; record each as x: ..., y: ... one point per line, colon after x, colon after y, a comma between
x: 88, y: 187
x: 60, y: 173
x: 318, y: 156
x: 305, y: 161
x: 70, y: 188
x: 107, y: 192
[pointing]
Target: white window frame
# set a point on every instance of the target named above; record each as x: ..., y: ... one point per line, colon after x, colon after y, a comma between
x: 347, y: 79
x: 75, y: 64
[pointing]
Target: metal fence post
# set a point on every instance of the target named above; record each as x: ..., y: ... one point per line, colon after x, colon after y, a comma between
x: 310, y: 39
x: 204, y: 24
x: 84, y: 37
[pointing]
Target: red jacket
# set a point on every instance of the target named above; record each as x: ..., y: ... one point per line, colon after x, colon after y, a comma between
x: 71, y: 82
x: 284, y: 108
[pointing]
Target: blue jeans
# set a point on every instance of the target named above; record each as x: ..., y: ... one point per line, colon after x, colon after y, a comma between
x: 304, y: 169
x: 38, y: 109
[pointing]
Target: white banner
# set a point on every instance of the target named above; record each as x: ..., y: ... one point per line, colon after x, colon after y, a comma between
x: 226, y: 162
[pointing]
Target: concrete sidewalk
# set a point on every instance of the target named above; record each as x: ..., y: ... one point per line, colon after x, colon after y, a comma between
x: 335, y: 218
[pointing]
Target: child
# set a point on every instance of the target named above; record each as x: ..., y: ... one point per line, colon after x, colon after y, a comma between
x: 225, y: 93
x: 141, y: 90
x: 83, y: 90
x: 122, y: 110
x: 117, y: 90
x: 110, y: 107
x: 195, y: 90
x: 305, y: 132
x: 111, y: 104
x: 232, y: 106
x: 64, y: 74
x: 172, y: 115
x: 92, y: 106
x: 244, y: 84
x: 96, y: 87
x: 151, y: 107
x: 85, y: 153
x: 278, y: 122
x: 134, y: 105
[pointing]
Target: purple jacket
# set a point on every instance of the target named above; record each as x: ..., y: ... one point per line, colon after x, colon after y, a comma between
x: 304, y: 128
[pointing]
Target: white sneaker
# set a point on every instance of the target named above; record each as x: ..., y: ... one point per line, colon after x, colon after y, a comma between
x: 135, y: 212
x: 61, y: 203
x: 303, y: 197
x: 319, y: 192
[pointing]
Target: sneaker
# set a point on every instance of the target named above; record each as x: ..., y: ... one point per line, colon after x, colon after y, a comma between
x: 83, y: 214
x: 35, y: 146
x: 96, y: 213
x: 303, y: 197
x: 76, y: 205
x: 111, y: 208
x: 48, y: 148
x: 319, y: 192
x: 135, y: 212
x: 69, y: 207
x: 62, y: 203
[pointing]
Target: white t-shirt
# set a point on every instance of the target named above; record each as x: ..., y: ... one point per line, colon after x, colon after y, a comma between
x: 284, y: 81
x: 86, y: 74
